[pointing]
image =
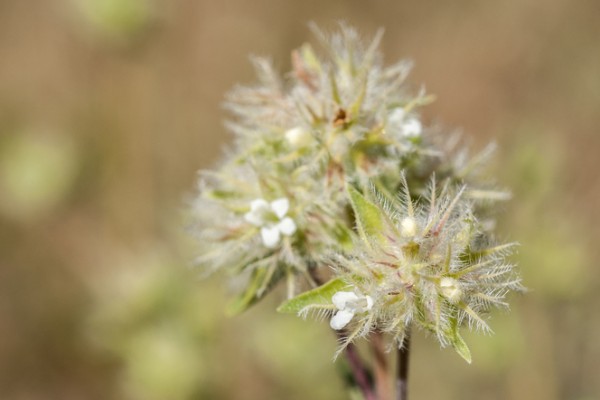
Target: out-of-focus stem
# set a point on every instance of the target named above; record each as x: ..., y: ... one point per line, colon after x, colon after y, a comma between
x: 402, y: 372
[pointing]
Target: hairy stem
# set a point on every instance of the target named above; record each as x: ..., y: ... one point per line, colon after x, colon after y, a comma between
x: 381, y: 367
x: 359, y: 372
x: 402, y: 371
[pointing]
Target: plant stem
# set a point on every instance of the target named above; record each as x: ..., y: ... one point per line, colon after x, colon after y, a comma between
x: 402, y: 372
x: 381, y: 367
x: 359, y: 372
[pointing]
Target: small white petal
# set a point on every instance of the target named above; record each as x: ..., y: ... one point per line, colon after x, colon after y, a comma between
x: 341, y: 319
x: 340, y: 299
x: 287, y: 226
x: 369, y: 303
x: 280, y: 207
x: 396, y: 117
x: 298, y: 137
x: 258, y: 208
x: 412, y: 128
x: 254, y: 218
x: 259, y: 205
x: 270, y: 236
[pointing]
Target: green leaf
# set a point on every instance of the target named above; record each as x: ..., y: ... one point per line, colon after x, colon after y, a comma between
x: 461, y: 347
x: 320, y: 296
x: 457, y: 341
x: 369, y: 217
x: 263, y: 278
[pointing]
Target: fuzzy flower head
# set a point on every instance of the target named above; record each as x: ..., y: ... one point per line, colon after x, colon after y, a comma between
x: 426, y: 264
x: 343, y: 114
x: 419, y: 263
x: 263, y: 229
x: 316, y: 184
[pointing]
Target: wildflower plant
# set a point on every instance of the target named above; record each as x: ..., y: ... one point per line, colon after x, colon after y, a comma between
x: 371, y: 219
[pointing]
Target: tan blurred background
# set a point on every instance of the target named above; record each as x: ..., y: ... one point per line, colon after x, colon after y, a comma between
x: 109, y: 107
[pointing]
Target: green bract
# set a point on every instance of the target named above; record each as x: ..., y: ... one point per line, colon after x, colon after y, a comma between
x: 317, y: 297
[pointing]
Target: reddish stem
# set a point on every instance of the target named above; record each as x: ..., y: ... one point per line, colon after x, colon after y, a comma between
x: 359, y: 372
x: 402, y: 372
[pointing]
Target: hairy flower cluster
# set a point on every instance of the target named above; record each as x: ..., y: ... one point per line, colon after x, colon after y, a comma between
x: 428, y: 264
x: 330, y: 177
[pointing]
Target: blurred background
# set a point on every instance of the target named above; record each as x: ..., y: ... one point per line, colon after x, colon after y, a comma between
x: 109, y: 107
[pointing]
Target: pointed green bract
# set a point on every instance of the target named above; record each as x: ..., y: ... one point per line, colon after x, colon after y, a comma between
x: 319, y: 296
x: 369, y: 217
x: 458, y: 343
x: 461, y: 347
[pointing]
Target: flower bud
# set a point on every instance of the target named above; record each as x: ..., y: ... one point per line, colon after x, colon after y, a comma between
x: 408, y: 227
x: 449, y: 288
x: 298, y: 137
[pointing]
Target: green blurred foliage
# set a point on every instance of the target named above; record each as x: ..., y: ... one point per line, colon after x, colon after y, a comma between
x: 100, y: 141
x: 553, y: 242
x: 36, y: 174
x: 117, y: 21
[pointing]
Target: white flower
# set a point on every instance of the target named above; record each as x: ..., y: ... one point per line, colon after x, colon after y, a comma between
x: 348, y: 304
x: 298, y: 137
x: 396, y: 117
x: 271, y: 219
x: 409, y: 127
x: 412, y: 128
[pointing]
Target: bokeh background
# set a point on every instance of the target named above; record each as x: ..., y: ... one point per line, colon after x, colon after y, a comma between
x: 109, y: 107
